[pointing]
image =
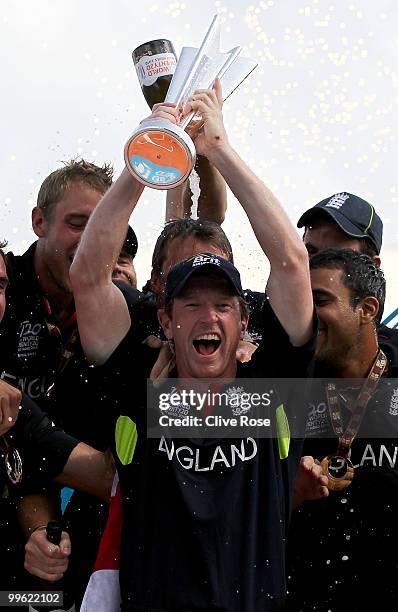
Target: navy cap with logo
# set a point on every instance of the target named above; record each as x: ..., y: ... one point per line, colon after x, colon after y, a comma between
x: 180, y: 274
x: 130, y: 244
x: 355, y: 216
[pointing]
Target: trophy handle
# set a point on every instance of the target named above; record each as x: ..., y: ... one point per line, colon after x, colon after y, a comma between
x: 231, y: 56
x: 212, y: 37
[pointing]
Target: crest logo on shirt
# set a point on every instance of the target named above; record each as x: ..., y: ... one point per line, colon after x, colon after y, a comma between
x: 317, y: 420
x: 177, y: 409
x: 237, y: 399
x: 337, y: 200
x: 394, y: 403
x: 28, y: 343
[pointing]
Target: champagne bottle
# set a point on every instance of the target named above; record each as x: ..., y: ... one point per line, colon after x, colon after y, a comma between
x: 155, y: 62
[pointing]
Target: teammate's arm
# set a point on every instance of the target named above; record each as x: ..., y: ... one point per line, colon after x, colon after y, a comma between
x: 212, y: 203
x: 103, y: 316
x: 102, y: 312
x: 42, y: 559
x: 89, y: 470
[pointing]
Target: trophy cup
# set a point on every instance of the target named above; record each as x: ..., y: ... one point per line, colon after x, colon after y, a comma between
x: 160, y: 154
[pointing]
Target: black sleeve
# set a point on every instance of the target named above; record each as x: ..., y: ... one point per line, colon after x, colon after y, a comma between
x: 388, y: 337
x: 44, y: 448
x: 255, y: 302
x: 121, y: 381
x: 276, y: 356
x: 132, y: 359
x: 143, y: 312
x: 131, y: 295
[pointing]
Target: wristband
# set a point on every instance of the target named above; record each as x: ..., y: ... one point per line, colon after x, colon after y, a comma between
x: 38, y: 527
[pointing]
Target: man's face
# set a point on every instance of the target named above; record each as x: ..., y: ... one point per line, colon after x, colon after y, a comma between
x: 3, y: 286
x: 124, y: 271
x: 325, y: 234
x: 178, y: 250
x: 339, y: 322
x: 206, y: 326
x: 60, y: 234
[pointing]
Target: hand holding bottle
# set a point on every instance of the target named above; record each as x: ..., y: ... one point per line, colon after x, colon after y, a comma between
x: 45, y: 559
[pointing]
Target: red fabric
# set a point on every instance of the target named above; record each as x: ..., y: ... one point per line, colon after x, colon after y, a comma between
x: 109, y: 548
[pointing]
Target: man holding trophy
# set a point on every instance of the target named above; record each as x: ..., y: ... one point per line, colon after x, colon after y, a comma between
x: 209, y: 538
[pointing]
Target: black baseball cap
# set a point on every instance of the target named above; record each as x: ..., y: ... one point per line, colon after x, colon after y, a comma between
x: 355, y: 216
x: 130, y: 244
x: 182, y: 272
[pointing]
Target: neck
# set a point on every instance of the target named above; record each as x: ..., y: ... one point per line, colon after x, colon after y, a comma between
x: 227, y: 375
x: 57, y: 296
x: 358, y: 365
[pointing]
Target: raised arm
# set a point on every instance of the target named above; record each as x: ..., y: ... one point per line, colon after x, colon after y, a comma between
x: 212, y: 203
x: 102, y: 312
x: 288, y: 288
x: 103, y: 316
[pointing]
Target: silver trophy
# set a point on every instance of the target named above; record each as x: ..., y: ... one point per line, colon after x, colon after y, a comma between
x: 162, y: 155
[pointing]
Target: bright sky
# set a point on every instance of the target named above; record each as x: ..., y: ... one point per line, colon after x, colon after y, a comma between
x: 318, y: 116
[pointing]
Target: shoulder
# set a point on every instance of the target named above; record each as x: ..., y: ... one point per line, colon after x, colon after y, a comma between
x: 131, y: 295
x: 13, y: 265
x: 276, y: 355
x: 388, y: 342
x: 143, y: 312
x: 21, y: 263
x: 35, y: 430
x: 30, y: 419
x: 255, y: 299
x: 21, y: 278
x: 132, y: 360
x: 12, y: 260
x: 30, y: 414
x: 136, y: 300
x: 387, y: 335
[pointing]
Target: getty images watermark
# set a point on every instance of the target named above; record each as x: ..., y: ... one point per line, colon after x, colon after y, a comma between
x: 178, y: 404
x: 209, y: 409
x: 270, y: 408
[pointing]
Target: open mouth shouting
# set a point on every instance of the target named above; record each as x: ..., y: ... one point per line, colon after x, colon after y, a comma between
x: 207, y: 344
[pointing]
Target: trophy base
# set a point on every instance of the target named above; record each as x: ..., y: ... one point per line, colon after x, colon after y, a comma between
x: 159, y: 154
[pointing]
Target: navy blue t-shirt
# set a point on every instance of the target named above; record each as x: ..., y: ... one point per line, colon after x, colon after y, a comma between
x: 348, y: 542
x: 204, y: 519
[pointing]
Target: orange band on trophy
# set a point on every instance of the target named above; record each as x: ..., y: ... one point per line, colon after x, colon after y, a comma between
x: 158, y: 157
